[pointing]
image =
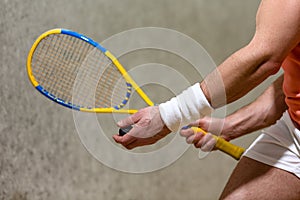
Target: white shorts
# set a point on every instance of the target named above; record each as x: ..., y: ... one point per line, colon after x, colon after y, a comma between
x: 278, y: 146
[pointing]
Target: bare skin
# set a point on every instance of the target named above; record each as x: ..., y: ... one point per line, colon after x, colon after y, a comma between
x: 261, y: 113
x: 277, y: 34
x: 275, y: 37
x: 243, y: 70
x: 254, y: 180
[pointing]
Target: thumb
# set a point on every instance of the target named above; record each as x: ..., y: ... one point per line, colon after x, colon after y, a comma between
x: 127, y: 121
x: 205, y: 123
x: 195, y: 123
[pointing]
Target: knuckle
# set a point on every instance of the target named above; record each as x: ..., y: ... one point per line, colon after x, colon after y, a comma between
x: 197, y: 145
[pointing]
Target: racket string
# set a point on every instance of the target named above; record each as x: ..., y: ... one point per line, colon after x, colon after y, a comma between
x: 59, y: 76
x: 77, y: 72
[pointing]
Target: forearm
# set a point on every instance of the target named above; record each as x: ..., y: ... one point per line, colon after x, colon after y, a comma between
x: 239, y: 74
x: 261, y: 113
x: 276, y: 35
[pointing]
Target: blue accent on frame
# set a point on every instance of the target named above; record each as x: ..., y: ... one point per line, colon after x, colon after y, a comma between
x: 116, y: 107
x: 55, y: 99
x: 101, y: 48
x: 69, y: 104
x: 127, y: 96
x: 129, y: 89
x: 84, y: 38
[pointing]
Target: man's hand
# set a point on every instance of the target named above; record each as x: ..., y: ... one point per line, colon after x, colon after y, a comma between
x: 153, y: 123
x: 205, y: 141
x: 148, y: 128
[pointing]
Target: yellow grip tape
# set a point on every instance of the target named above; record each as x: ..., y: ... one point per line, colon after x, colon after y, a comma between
x: 222, y: 145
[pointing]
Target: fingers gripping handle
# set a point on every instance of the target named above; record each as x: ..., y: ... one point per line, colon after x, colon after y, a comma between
x: 123, y: 131
x: 222, y: 145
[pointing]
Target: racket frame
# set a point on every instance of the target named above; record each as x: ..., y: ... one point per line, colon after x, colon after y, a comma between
x: 114, y: 60
x: 221, y: 144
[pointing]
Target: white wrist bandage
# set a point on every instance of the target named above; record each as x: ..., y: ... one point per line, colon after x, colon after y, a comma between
x: 189, y: 106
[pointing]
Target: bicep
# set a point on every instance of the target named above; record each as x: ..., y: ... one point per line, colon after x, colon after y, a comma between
x: 278, y: 27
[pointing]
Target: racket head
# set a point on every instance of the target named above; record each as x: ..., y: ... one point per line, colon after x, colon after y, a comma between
x: 63, y: 65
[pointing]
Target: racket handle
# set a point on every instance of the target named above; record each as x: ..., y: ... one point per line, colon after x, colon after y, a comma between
x: 222, y: 145
x: 123, y: 131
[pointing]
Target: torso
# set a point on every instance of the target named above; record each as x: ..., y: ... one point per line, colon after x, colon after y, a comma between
x: 291, y: 84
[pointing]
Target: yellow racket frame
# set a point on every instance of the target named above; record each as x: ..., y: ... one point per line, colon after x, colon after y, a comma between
x: 221, y: 144
x: 107, y: 53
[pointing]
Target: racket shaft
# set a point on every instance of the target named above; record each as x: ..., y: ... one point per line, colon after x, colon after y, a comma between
x: 222, y: 145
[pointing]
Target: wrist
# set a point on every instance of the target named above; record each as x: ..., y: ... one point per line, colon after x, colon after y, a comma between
x: 233, y: 127
x: 189, y: 106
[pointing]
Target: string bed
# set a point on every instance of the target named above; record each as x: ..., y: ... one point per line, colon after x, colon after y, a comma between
x: 77, y: 72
